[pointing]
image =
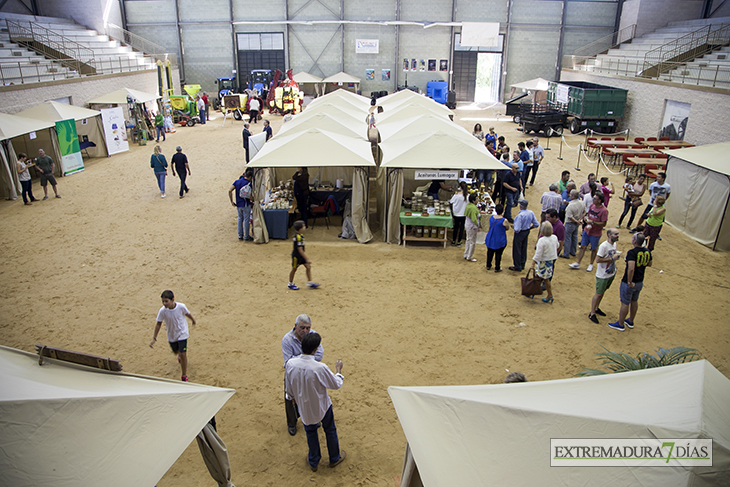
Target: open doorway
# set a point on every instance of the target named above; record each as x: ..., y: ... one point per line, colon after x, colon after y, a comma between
x: 488, y: 77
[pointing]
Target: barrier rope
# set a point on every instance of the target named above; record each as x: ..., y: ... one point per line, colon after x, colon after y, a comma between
x: 569, y: 147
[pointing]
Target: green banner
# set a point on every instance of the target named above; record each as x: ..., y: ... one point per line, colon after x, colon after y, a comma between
x: 68, y: 144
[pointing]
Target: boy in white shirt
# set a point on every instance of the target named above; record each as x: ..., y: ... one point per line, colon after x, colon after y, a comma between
x: 173, y: 314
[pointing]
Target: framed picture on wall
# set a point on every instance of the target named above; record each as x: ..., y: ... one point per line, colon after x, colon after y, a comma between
x: 386, y: 75
x: 444, y: 65
x: 674, y: 123
x: 369, y: 74
x: 414, y: 65
x: 432, y: 65
x: 406, y: 64
x: 422, y: 65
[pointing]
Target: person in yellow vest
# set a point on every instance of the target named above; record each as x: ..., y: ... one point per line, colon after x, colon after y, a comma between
x: 655, y: 221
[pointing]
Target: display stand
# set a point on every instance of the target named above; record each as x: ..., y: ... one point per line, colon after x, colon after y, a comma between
x: 416, y: 220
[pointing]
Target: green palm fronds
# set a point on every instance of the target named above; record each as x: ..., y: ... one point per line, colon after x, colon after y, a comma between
x: 622, y: 362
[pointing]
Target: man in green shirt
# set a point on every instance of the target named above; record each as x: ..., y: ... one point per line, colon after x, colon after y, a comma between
x: 160, y: 126
x: 564, y: 180
x: 46, y: 166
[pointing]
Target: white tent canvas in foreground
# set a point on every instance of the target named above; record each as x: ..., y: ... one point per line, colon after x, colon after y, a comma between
x: 500, y: 434
x: 700, y: 202
x: 67, y: 425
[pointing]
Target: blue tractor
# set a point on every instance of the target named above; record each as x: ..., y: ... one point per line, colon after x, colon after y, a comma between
x: 260, y: 80
x: 226, y: 86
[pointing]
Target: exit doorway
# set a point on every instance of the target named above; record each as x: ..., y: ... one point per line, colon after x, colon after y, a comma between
x: 489, y: 67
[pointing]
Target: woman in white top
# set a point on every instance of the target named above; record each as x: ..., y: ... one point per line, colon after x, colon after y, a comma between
x: 24, y: 177
x: 588, y: 197
x: 546, y: 253
x: 458, y: 207
x: 478, y: 133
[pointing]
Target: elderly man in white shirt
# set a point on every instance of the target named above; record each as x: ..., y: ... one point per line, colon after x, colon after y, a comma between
x: 307, y: 382
x: 291, y: 346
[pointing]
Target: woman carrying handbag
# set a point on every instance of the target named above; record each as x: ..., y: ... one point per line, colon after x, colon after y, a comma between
x: 159, y: 165
x: 546, y: 253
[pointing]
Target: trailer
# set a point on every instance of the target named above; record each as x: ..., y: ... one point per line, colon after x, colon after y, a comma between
x: 591, y: 105
x: 542, y: 117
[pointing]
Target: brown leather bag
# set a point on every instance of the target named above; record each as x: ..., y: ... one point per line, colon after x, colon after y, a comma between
x: 531, y: 286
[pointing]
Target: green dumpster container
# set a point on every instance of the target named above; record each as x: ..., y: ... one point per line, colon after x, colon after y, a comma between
x: 592, y: 105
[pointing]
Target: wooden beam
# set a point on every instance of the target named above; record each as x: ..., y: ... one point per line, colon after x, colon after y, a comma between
x: 80, y: 358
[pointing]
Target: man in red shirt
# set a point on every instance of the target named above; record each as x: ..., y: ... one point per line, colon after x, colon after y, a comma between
x: 207, y: 105
x: 595, y: 222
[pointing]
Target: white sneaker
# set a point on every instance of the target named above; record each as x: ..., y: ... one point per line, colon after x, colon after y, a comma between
x: 589, y: 268
x: 574, y: 265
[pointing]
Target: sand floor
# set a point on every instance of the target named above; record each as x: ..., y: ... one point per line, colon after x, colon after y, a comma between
x: 85, y: 273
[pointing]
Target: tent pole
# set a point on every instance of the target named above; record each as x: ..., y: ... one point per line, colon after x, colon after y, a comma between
x: 387, y: 205
x: 722, y: 220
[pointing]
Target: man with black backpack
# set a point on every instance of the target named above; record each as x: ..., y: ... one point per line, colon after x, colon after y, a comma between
x: 244, y: 194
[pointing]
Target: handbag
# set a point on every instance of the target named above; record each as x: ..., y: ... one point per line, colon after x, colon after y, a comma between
x: 531, y: 286
x: 636, y: 202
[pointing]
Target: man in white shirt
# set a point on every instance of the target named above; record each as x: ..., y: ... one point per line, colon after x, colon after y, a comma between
x: 606, y: 270
x: 307, y: 382
x: 253, y: 110
x: 291, y: 346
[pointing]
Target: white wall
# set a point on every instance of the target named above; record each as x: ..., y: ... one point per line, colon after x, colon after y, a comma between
x: 649, y: 15
x: 17, y: 98
x: 85, y: 12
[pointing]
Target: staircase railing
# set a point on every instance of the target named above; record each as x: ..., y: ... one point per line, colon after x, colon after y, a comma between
x: 140, y: 44
x: 698, y: 43
x: 52, y: 45
x: 608, y: 42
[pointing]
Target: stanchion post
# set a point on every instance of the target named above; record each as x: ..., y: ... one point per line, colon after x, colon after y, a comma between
x: 585, y: 141
x: 547, y: 146
x: 628, y: 134
x: 560, y: 156
x: 598, y: 165
x: 580, y: 150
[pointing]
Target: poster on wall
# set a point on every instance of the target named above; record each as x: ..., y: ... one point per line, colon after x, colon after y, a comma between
x: 369, y: 74
x: 386, y: 75
x: 405, y: 64
x: 414, y: 65
x: 115, y: 130
x: 68, y: 144
x: 674, y: 123
x: 444, y: 65
x: 367, y: 46
x: 422, y: 65
x: 432, y: 65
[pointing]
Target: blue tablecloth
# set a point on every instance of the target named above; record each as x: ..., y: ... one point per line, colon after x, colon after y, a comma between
x: 277, y: 223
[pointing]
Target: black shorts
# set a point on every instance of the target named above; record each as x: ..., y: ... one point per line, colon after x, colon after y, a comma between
x: 48, y: 178
x: 296, y: 262
x: 180, y: 346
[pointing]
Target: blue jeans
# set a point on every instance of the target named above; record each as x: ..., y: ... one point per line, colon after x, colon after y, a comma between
x: 244, y: 218
x: 511, y: 197
x: 330, y: 431
x: 571, y: 239
x: 161, y: 180
x: 160, y: 130
x: 201, y: 113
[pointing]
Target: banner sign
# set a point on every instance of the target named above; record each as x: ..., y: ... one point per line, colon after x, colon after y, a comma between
x: 115, y: 130
x: 367, y: 46
x: 561, y: 93
x: 630, y: 452
x: 68, y: 143
x: 436, y: 174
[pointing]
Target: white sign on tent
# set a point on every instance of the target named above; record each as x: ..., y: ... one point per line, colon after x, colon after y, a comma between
x: 115, y: 130
x: 420, y: 174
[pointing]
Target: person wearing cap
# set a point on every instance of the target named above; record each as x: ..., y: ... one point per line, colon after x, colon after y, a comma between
x: 180, y: 163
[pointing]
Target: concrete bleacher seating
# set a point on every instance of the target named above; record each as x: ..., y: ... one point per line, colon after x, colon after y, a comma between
x: 19, y: 64
x: 629, y: 59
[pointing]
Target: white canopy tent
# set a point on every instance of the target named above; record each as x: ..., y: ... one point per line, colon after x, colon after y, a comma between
x: 538, y: 87
x: 322, y: 120
x: 340, y: 81
x: 68, y: 425
x: 699, y: 204
x: 417, y: 100
x: 437, y: 149
x: 500, y: 434
x: 119, y: 97
x: 324, y: 149
x: 354, y: 99
x: 88, y: 122
x: 423, y: 124
x: 409, y: 110
x: 398, y: 95
x: 309, y: 83
x: 346, y: 103
x: 14, y: 134
x: 343, y: 111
